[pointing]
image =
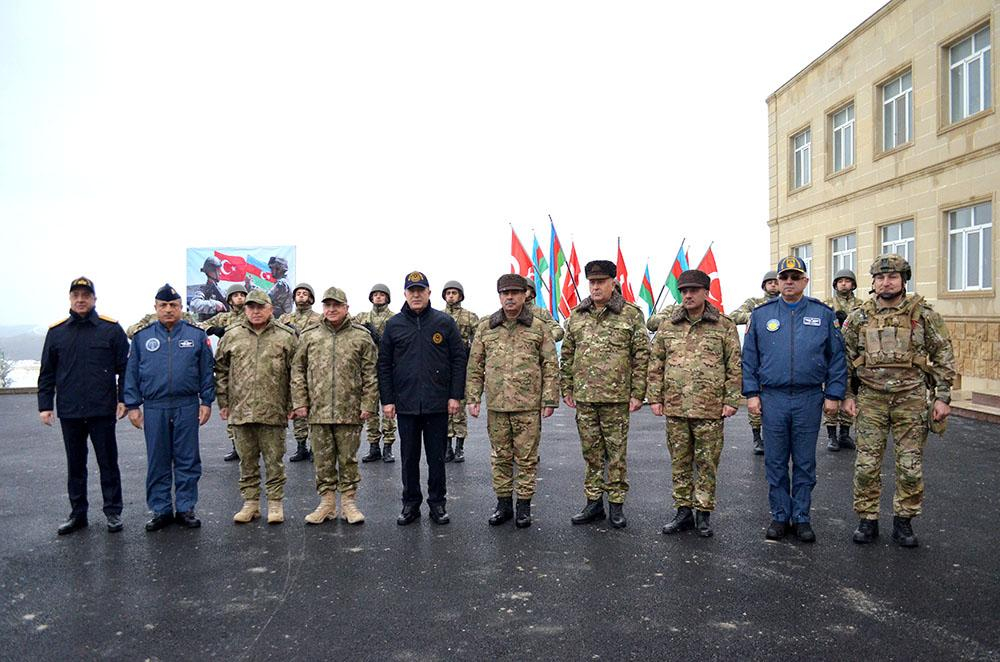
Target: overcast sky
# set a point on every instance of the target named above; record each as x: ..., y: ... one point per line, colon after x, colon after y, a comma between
x: 382, y: 137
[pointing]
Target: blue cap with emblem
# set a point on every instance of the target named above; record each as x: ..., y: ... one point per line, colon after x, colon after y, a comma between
x: 82, y: 282
x: 167, y: 293
x: 791, y: 263
x: 416, y: 279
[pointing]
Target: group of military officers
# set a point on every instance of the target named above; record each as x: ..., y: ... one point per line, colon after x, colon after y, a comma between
x: 321, y: 372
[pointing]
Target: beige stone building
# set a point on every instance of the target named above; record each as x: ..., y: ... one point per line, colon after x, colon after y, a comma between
x: 890, y: 141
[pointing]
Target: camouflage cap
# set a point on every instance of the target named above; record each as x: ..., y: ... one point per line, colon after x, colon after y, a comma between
x: 383, y: 288
x: 308, y: 288
x: 416, y: 279
x: 597, y: 269
x: 512, y: 282
x: 82, y: 283
x: 791, y: 263
x: 770, y: 275
x: 892, y: 262
x: 334, y: 294
x: 258, y: 297
x: 693, y: 278
x: 234, y: 288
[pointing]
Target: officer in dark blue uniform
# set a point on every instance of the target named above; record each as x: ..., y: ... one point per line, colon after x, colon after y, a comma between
x: 170, y: 375
x: 83, y: 361
x: 793, y: 370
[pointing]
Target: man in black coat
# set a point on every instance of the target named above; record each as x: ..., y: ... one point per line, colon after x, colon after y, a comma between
x: 421, y: 375
x: 83, y: 363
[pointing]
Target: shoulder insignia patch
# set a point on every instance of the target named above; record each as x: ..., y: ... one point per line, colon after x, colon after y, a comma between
x: 108, y: 319
x: 55, y: 324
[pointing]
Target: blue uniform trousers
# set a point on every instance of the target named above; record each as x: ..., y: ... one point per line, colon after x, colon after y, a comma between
x: 173, y: 457
x: 791, y: 418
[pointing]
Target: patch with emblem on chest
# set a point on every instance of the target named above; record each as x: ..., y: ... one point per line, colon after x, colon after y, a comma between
x: 812, y: 321
x: 152, y: 344
x: 186, y: 344
x: 772, y: 325
x: 437, y: 338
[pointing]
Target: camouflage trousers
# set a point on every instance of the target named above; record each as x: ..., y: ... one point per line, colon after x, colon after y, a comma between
x: 695, y: 445
x: 382, y: 429
x: 231, y: 433
x: 905, y: 415
x: 514, y: 438
x: 254, y: 441
x: 603, y: 429
x: 300, y: 427
x: 458, y: 424
x: 755, y: 421
x: 335, y: 457
x: 839, y: 418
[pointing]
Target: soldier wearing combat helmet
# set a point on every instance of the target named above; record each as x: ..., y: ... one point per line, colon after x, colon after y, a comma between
x: 281, y: 293
x: 380, y: 428
x: 543, y: 313
x: 458, y: 427
x: 843, y: 302
x: 301, y: 319
x: 216, y: 325
x: 209, y: 299
x: 900, y: 356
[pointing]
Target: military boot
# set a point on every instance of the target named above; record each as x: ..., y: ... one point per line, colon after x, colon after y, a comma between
x: 593, y: 511
x: 834, y: 444
x: 327, y: 509
x: 616, y: 515
x: 232, y: 455
x: 682, y: 521
x: 902, y: 532
x: 523, y: 520
x: 275, y: 511
x: 845, y: 437
x: 349, y: 508
x: 248, y: 513
x: 449, y: 452
x: 387, y: 454
x: 866, y: 532
x: 301, y: 453
x: 459, y: 449
x: 374, y: 453
x: 701, y: 523
x: 504, y: 511
x: 758, y: 442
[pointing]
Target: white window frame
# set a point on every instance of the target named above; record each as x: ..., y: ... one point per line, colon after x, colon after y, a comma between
x: 842, y: 137
x: 984, y: 254
x: 976, y: 59
x: 903, y: 245
x: 843, y: 258
x: 902, y: 100
x: 807, y: 257
x: 802, y: 159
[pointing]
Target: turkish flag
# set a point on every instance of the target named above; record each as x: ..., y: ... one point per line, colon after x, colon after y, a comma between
x: 715, y: 289
x: 623, y: 277
x: 520, y: 260
x: 569, y: 300
x: 233, y: 269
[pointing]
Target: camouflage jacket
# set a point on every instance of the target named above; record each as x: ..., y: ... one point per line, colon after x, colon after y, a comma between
x: 206, y: 300
x: 466, y: 321
x: 333, y: 373
x: 225, y: 320
x: 842, y: 304
x: 300, y: 320
x: 605, y: 352
x: 654, y: 321
x: 377, y: 317
x: 281, y: 298
x: 694, y: 367
x: 252, y: 370
x: 742, y: 314
x: 899, y: 348
x: 149, y: 319
x: 516, y: 362
x: 554, y: 326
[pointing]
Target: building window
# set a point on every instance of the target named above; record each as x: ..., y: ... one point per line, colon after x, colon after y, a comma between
x: 898, y: 238
x: 970, y: 248
x: 801, y: 159
x: 969, y: 73
x: 897, y: 112
x: 843, y: 251
x: 842, y: 123
x: 805, y: 253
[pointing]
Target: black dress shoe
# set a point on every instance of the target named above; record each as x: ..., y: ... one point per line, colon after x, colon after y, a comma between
x: 439, y: 515
x: 159, y: 521
x: 804, y: 532
x: 503, y: 512
x: 616, y: 515
x: 776, y: 530
x: 701, y: 523
x: 409, y: 515
x: 593, y: 511
x: 231, y: 456
x: 682, y: 521
x: 188, y: 520
x: 387, y: 456
x: 523, y: 520
x: 115, y: 523
x: 72, y: 524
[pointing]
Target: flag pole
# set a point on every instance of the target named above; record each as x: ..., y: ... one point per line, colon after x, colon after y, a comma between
x: 657, y: 302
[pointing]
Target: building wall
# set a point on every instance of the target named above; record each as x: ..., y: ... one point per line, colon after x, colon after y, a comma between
x: 944, y: 166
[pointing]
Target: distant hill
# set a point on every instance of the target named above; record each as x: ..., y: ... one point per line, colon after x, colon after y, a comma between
x: 22, y: 342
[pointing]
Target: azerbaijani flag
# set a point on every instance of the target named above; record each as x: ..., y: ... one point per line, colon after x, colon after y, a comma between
x: 236, y: 269
x: 555, y: 271
x: 680, y: 265
x: 261, y: 275
x: 646, y: 291
x: 538, y: 266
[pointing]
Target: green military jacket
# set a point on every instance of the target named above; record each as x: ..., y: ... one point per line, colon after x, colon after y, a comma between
x: 516, y: 362
x: 554, y: 327
x: 742, y: 314
x: 654, y: 321
x: 377, y: 317
x: 151, y: 317
x: 252, y: 373
x: 225, y: 320
x: 333, y: 373
x: 605, y: 352
x: 843, y: 304
x: 300, y: 320
x: 694, y: 367
x: 466, y: 321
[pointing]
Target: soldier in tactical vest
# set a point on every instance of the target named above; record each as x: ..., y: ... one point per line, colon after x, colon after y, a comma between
x: 843, y: 303
x: 458, y: 426
x: 380, y: 428
x: 301, y: 319
x: 902, y: 367
x: 209, y: 299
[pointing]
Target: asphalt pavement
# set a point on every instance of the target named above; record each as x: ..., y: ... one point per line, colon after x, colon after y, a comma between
x: 471, y: 591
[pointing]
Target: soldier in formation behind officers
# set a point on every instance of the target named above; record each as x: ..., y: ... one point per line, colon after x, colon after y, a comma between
x: 843, y: 303
x: 381, y: 428
x: 458, y: 425
x: 299, y: 320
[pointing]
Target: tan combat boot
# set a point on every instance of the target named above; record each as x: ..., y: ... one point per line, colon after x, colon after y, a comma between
x: 349, y: 507
x: 248, y: 513
x: 327, y: 509
x: 275, y: 512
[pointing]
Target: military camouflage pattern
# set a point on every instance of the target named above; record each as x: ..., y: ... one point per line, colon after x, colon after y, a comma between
x: 755, y: 419
x: 843, y: 303
x: 301, y: 319
x: 694, y: 367
x: 515, y: 362
x: 150, y: 318
x: 254, y: 441
x: 379, y: 427
x: 335, y: 457
x: 695, y: 446
x: 252, y: 373
x: 742, y: 314
x: 543, y: 314
x: 281, y: 297
x: 377, y: 317
x: 225, y: 320
x: 204, y: 301
x: 333, y: 373
x: 603, y: 432
x: 514, y: 438
x: 605, y: 353
x: 467, y: 321
x: 654, y: 321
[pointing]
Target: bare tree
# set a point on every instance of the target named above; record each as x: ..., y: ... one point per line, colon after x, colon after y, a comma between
x: 5, y: 369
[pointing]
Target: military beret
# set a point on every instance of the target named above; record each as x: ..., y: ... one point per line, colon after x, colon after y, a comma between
x: 791, y: 263
x: 167, y: 293
x: 416, y: 279
x: 335, y: 294
x: 258, y: 297
x: 693, y: 278
x: 512, y: 282
x: 83, y: 283
x: 596, y: 269
x: 280, y: 261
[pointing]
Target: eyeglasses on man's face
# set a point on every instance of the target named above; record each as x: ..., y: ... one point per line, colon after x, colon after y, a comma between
x: 790, y: 276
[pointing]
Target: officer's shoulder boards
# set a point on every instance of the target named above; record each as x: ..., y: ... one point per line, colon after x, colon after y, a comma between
x: 55, y: 324
x: 359, y: 327
x: 310, y: 328
x: 815, y: 300
x: 108, y: 319
x: 284, y: 327
x: 769, y: 302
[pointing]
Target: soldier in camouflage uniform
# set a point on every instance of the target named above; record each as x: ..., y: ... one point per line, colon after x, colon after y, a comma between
x: 208, y: 299
x: 252, y: 368
x: 898, y: 349
x: 380, y: 428
x: 236, y: 295
x: 334, y: 384
x: 151, y: 318
x: 458, y: 426
x: 300, y: 320
x: 603, y: 376
x: 280, y: 293
x: 843, y: 303
x: 514, y: 357
x: 769, y: 283
x: 658, y: 318
x: 694, y: 378
x: 543, y: 313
